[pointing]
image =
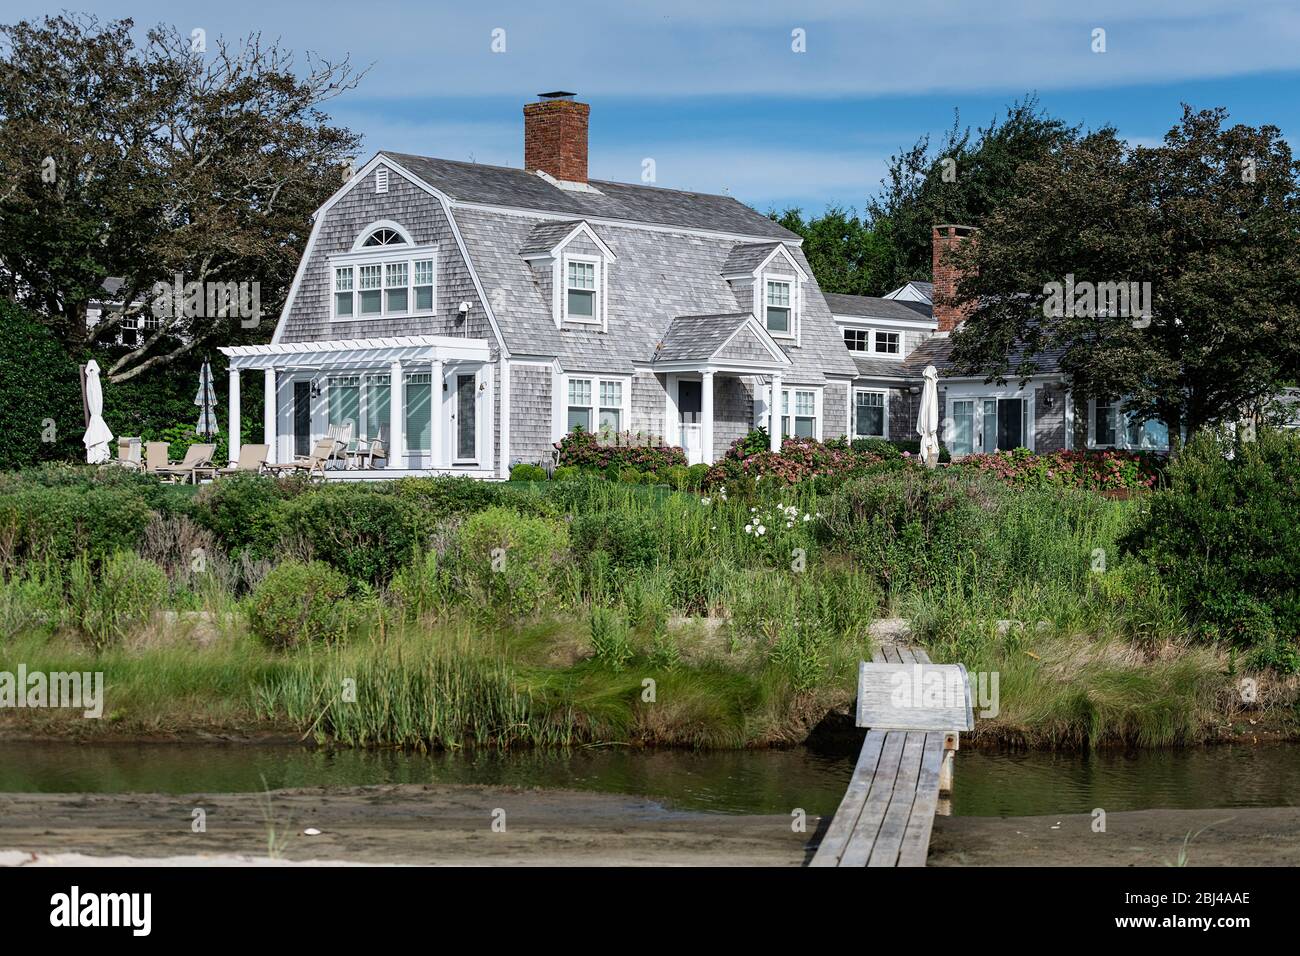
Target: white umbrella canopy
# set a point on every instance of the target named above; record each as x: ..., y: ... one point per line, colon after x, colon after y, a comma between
x: 206, y: 399
x: 927, y: 422
x: 97, y: 437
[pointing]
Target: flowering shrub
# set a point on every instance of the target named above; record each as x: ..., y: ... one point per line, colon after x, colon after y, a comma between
x: 586, y: 450
x: 799, y: 459
x: 1090, y: 470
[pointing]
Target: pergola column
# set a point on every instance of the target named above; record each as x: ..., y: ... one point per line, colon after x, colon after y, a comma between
x: 435, y: 416
x: 233, y: 424
x: 396, y: 407
x: 706, y: 414
x: 268, y: 417
x: 774, y: 431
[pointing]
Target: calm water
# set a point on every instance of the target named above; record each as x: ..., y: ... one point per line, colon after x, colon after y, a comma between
x: 745, y: 782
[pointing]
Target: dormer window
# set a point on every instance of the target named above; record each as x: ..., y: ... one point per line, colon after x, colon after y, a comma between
x: 778, y: 307
x: 857, y: 340
x: 887, y: 343
x: 581, y: 290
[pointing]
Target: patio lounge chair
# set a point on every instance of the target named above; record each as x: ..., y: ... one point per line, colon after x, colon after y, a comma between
x: 252, y: 459
x: 128, y: 454
x: 196, y: 456
x: 314, y: 463
x: 155, y: 456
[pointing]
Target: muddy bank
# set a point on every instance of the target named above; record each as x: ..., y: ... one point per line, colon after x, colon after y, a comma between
x: 400, y: 824
x: 453, y: 825
x: 1256, y: 836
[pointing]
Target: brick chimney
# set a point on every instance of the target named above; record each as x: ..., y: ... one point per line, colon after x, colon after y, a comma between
x: 946, y: 276
x: 555, y: 136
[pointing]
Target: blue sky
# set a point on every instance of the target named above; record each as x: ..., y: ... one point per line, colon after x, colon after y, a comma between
x: 715, y: 94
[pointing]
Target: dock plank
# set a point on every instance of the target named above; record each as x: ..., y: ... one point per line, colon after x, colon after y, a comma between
x: 837, y: 835
x: 889, y: 839
x: 858, y: 850
x: 916, y: 838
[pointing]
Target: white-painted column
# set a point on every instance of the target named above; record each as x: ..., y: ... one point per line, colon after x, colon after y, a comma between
x: 232, y: 425
x: 503, y: 384
x: 396, y: 410
x: 270, y: 408
x: 706, y: 414
x: 672, y: 414
x: 774, y: 425
x: 437, y: 459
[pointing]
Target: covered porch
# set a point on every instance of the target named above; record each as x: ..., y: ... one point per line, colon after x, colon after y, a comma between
x: 425, y: 402
x: 715, y: 367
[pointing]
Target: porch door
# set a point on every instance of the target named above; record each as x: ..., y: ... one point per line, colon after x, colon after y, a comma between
x: 302, y: 418
x: 464, y: 418
x: 690, y: 404
x: 1011, y: 423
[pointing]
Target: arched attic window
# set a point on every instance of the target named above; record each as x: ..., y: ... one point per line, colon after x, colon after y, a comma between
x: 384, y: 236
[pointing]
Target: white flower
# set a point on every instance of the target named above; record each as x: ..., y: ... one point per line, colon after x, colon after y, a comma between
x: 752, y: 510
x: 789, y: 524
x: 807, y: 517
x: 761, y: 530
x: 704, y: 501
x: 748, y: 528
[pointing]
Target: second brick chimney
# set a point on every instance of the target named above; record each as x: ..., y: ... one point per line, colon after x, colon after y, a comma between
x: 947, y: 275
x: 555, y: 137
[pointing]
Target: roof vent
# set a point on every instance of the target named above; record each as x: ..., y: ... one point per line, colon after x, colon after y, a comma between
x: 556, y: 95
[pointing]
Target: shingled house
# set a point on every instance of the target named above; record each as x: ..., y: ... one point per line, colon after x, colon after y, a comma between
x: 470, y: 315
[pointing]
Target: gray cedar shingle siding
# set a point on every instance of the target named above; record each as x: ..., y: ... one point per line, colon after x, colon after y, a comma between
x: 733, y: 411
x: 649, y: 397
x: 422, y: 216
x: 1049, y: 423
x: 745, y: 346
x: 904, y: 409
x: 835, y: 410
x: 530, y: 413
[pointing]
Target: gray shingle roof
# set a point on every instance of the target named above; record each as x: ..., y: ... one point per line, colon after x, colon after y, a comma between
x: 747, y: 257
x: 869, y: 367
x: 698, y: 336
x: 547, y: 235
x: 507, y: 186
x: 870, y: 306
x: 937, y: 351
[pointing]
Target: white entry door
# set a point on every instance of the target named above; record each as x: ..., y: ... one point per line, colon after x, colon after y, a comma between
x: 464, y: 401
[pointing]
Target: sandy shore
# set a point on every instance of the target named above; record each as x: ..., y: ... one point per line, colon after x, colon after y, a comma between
x: 453, y: 825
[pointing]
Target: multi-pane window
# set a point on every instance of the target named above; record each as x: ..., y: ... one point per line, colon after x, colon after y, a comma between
x: 1103, y: 422
x: 611, y: 406
x: 803, y: 423
x: 396, y: 294
x: 580, y: 287
x: 345, y: 405
x: 887, y: 343
x: 596, y: 404
x: 391, y: 287
x: 343, y: 292
x: 869, y: 414
x: 384, y: 237
x: 424, y: 285
x: 857, y: 339
x: 377, y: 408
x: 961, y: 437
x: 419, y: 411
x: 369, y: 280
x: 778, y: 307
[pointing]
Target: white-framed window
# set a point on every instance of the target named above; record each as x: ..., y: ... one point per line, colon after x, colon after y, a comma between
x: 870, y: 413
x: 984, y: 424
x: 778, y: 307
x: 888, y: 343
x: 857, y: 340
x: 596, y: 404
x: 376, y: 407
x: 1110, y: 427
x: 803, y: 421
x: 396, y: 283
x: 383, y: 236
x: 418, y: 396
x: 345, y: 404
x: 582, y: 290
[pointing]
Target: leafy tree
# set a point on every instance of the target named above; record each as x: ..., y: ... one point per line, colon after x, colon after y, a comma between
x: 40, y: 393
x: 962, y: 181
x: 845, y: 254
x: 178, y: 156
x: 1208, y: 218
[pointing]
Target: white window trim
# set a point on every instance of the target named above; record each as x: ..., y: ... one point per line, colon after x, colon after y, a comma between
x: 866, y: 345
x: 595, y: 379
x: 383, y: 256
x: 598, y: 304
x: 358, y: 244
x: 793, y: 281
x: 853, y: 411
x: 1119, y: 422
x: 875, y: 344
x: 979, y: 396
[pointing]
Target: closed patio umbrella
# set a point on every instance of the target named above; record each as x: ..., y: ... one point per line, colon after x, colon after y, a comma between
x: 97, y: 437
x: 927, y: 422
x: 206, y: 399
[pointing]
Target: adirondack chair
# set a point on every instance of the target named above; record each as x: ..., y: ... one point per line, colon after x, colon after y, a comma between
x: 313, y: 464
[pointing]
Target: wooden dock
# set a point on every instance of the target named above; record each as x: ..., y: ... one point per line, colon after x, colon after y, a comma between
x: 888, y: 811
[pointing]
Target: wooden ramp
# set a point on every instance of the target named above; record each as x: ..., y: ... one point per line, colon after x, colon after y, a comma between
x: 888, y: 811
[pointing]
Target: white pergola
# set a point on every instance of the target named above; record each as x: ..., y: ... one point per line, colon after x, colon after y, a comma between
x: 398, y: 354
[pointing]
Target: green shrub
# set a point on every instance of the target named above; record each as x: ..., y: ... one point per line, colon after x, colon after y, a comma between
x: 629, y: 538
x: 242, y: 511
x: 566, y: 473
x: 40, y: 397
x: 1224, y: 534
x: 526, y: 472
x: 609, y: 638
x: 509, y: 558
x: 124, y: 595
x: 695, y: 476
x: 298, y: 602
x: 442, y: 497
x: 365, y: 532
x: 587, y: 450
x: 58, y: 523
x: 630, y: 476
